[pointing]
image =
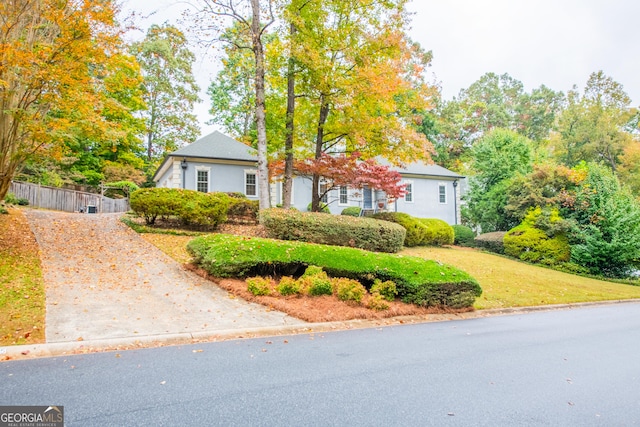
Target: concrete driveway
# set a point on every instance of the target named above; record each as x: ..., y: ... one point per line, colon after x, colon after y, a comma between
x: 104, y: 282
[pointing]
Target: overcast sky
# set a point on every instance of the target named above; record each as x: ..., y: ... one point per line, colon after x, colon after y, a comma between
x: 557, y: 43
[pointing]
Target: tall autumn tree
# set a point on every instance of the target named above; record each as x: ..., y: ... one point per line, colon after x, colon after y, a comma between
x: 170, y: 89
x: 361, y: 80
x: 253, y: 18
x: 493, y: 101
x: 52, y: 55
x: 232, y: 90
x: 592, y: 127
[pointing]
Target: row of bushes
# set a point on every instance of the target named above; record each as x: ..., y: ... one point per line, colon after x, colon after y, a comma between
x: 316, y: 282
x: 339, y: 230
x: 462, y: 235
x: 422, y: 282
x: 190, y: 207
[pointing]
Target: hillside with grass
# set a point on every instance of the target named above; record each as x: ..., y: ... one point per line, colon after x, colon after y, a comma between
x: 509, y: 283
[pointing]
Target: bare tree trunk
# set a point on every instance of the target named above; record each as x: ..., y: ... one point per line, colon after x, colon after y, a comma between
x: 258, y: 50
x: 288, y: 143
x: 322, y: 119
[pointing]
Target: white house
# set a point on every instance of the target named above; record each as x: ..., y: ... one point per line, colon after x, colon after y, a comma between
x: 217, y: 162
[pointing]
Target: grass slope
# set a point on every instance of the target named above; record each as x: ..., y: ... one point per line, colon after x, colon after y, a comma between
x: 509, y: 283
x: 419, y: 281
x: 22, y: 294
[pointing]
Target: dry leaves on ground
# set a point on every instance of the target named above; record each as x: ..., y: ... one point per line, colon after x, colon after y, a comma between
x: 22, y: 296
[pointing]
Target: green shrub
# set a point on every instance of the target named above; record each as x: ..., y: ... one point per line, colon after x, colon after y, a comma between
x: 419, y: 281
x: 11, y: 199
x: 377, y: 302
x: 491, y: 241
x: 324, y: 208
x: 532, y: 244
x: 3, y: 210
x: 151, y: 203
x: 203, y: 209
x: 339, y: 230
x: 259, y: 286
x: 190, y: 207
x: 351, y: 211
x: 289, y: 286
x: 317, y: 285
x: 314, y: 270
x: 420, y: 231
x: 241, y: 209
x: 463, y: 235
x: 415, y: 230
x: 387, y: 289
x: 438, y: 232
x: 348, y: 289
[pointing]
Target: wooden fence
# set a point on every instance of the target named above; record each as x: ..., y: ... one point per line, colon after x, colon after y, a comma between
x: 61, y: 199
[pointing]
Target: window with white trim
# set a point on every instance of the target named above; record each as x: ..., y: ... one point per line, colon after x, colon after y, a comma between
x: 442, y: 193
x: 202, y: 179
x: 250, y: 183
x: 344, y: 195
x: 325, y: 194
x: 408, y: 197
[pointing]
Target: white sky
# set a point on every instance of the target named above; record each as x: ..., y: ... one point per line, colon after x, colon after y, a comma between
x: 557, y: 43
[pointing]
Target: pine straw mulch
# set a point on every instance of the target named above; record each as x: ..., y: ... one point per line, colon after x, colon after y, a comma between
x: 319, y: 309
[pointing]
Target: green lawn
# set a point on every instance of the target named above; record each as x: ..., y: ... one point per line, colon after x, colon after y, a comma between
x: 508, y: 283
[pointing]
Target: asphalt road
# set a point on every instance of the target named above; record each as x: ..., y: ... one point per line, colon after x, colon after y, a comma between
x: 561, y: 368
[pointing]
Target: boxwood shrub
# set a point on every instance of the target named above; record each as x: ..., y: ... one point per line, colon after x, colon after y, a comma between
x: 242, y: 209
x: 438, y: 233
x: 339, y: 230
x: 418, y: 281
x: 416, y: 231
x: 351, y: 211
x: 463, y: 235
x: 189, y: 206
x: 420, y: 231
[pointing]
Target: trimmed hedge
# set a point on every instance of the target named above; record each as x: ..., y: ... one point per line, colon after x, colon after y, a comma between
x: 439, y: 233
x: 189, y: 206
x: 351, y: 211
x: 493, y: 242
x: 463, y: 235
x: 241, y: 209
x: 420, y: 231
x: 418, y: 281
x: 339, y: 230
x: 416, y: 231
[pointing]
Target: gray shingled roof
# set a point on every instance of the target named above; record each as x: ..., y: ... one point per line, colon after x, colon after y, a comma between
x: 217, y: 145
x: 418, y: 168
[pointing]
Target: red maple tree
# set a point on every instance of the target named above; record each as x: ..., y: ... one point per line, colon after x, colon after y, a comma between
x: 341, y: 170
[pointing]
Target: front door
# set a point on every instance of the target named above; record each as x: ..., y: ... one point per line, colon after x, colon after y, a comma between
x: 367, y: 198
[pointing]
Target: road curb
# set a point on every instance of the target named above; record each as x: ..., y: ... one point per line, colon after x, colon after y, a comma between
x: 58, y: 349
